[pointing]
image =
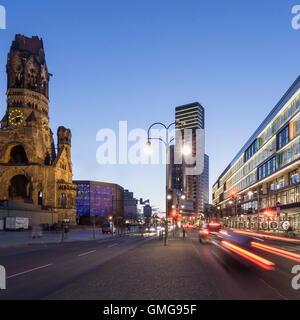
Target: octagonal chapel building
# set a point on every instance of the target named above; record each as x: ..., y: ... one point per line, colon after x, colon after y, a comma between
x: 35, y: 176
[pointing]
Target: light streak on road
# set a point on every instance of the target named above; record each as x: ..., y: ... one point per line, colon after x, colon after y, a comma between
x: 260, y: 261
x: 277, y: 251
x: 265, y: 236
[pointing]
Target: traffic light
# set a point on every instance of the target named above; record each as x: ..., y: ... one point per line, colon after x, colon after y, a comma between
x: 233, y: 194
x: 174, y: 214
x: 268, y: 213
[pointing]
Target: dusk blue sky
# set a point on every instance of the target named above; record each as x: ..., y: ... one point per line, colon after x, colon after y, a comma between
x: 137, y: 60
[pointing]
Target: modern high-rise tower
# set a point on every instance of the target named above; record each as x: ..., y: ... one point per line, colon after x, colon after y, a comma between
x: 195, y: 187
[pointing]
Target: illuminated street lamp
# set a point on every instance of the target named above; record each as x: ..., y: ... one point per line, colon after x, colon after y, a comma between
x: 148, y: 148
x: 186, y: 150
x: 167, y: 143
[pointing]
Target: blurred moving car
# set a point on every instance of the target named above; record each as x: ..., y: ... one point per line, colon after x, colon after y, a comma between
x: 208, y: 232
x: 106, y: 227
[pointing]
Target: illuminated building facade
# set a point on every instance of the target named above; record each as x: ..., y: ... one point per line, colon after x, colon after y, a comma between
x: 265, y: 172
x: 35, y: 174
x: 99, y: 199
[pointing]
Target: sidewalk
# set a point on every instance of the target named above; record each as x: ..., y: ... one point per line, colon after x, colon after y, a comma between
x: 19, y: 238
x: 151, y: 271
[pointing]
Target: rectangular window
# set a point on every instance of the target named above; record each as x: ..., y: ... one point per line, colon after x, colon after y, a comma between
x: 283, y: 138
x: 294, y: 177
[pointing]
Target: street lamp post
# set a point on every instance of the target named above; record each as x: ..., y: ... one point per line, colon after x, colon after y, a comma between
x: 167, y: 145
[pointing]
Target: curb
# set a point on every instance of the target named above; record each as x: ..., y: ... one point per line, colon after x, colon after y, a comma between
x: 55, y: 243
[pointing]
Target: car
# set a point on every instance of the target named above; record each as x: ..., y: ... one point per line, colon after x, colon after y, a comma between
x: 208, y: 232
x: 106, y: 227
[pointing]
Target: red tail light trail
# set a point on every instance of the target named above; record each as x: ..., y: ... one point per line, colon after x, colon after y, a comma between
x: 260, y: 261
x: 261, y: 235
x: 277, y: 251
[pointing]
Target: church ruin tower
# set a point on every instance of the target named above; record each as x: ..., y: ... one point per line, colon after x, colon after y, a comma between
x: 31, y: 169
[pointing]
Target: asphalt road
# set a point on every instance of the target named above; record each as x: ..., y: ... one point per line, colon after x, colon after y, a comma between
x: 134, y: 268
x: 34, y: 272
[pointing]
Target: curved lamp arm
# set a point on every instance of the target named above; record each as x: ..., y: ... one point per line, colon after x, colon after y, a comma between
x: 163, y: 125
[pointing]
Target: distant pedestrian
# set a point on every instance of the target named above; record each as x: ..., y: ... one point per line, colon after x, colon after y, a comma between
x: 183, y: 232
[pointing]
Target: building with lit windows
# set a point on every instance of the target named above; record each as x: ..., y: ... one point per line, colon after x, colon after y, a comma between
x: 265, y: 173
x: 194, y: 187
x: 98, y: 199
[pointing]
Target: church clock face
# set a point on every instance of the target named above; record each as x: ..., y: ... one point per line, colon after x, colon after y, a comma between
x: 16, y: 117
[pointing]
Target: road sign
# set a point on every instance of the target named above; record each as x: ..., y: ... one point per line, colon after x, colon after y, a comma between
x: 285, y: 225
x: 274, y: 225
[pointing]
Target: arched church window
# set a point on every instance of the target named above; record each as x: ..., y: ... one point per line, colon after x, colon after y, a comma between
x: 19, y: 78
x: 19, y: 188
x: 63, y: 200
x: 70, y: 200
x: 18, y: 155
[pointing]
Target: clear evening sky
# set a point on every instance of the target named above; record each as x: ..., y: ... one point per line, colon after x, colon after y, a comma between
x: 137, y: 60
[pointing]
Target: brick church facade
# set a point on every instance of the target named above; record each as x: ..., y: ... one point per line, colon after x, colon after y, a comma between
x: 32, y: 170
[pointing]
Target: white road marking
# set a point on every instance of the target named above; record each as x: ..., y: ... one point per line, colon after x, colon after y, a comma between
x: 112, y: 245
x: 85, y: 253
x: 24, y: 272
x: 258, y: 239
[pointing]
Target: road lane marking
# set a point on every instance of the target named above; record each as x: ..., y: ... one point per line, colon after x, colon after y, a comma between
x: 113, y: 245
x: 85, y: 253
x: 24, y: 272
x: 259, y: 239
x: 267, y: 284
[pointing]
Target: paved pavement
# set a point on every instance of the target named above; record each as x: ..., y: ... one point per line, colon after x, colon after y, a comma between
x: 19, y: 238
